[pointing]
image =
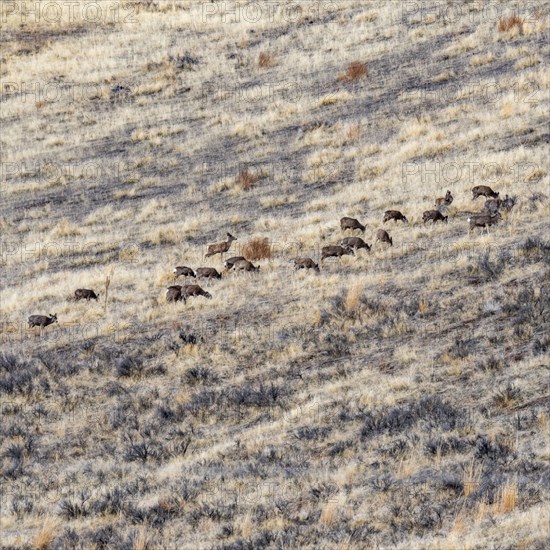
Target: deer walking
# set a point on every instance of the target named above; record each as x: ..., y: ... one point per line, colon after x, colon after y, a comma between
x: 220, y: 248
x: 351, y: 223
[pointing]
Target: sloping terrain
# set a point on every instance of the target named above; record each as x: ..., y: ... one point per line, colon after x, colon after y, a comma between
x: 396, y: 399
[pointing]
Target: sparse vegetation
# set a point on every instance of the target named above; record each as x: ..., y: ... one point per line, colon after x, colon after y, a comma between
x: 354, y: 71
x: 507, y: 23
x: 392, y: 398
x: 257, y: 248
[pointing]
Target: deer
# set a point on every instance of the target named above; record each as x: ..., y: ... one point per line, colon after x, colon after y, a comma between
x: 208, y: 273
x: 383, y: 237
x: 483, y: 220
x: 351, y: 223
x: 508, y: 203
x: 173, y: 294
x: 220, y: 248
x: 394, y: 215
x: 483, y: 191
x: 245, y: 265
x: 184, y: 271
x: 444, y: 201
x: 305, y: 263
x: 42, y: 321
x: 85, y: 294
x: 494, y: 205
x: 434, y: 216
x: 228, y: 264
x: 194, y: 290
x: 354, y: 242
x: 335, y: 251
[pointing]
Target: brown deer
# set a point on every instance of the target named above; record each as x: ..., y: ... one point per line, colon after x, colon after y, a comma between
x: 383, y: 237
x: 351, y: 223
x: 42, y: 320
x: 305, y: 263
x: 173, y: 294
x: 483, y: 220
x: 508, y: 203
x: 85, y: 294
x: 354, y: 242
x: 434, y: 216
x: 335, y: 251
x: 494, y: 205
x: 444, y: 201
x: 483, y: 191
x: 194, y: 290
x: 245, y: 265
x: 394, y: 215
x: 228, y: 264
x: 220, y: 248
x: 208, y: 273
x: 184, y: 271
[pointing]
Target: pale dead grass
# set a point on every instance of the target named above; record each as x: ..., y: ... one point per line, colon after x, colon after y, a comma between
x: 174, y: 228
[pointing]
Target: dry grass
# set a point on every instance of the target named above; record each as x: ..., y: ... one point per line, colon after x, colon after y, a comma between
x: 354, y: 71
x: 507, y: 23
x: 246, y: 180
x: 257, y: 248
x: 46, y: 535
x: 410, y: 379
x: 266, y: 60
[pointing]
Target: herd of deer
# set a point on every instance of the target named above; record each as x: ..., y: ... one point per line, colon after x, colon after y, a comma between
x: 489, y: 215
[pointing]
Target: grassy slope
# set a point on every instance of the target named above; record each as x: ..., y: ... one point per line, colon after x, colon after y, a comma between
x: 398, y: 398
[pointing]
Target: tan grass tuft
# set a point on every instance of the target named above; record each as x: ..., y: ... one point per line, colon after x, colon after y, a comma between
x: 471, y: 477
x: 507, y: 23
x: 353, y: 297
x: 66, y: 229
x: 266, y: 60
x: 246, y: 179
x: 328, y: 515
x: 142, y: 541
x: 46, y: 535
x: 508, y: 498
x: 257, y: 248
x: 354, y: 71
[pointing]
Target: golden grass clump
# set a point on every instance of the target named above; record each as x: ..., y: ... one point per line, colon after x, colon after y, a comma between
x: 328, y: 515
x: 507, y: 23
x: 46, y: 535
x: 265, y: 60
x: 66, y: 229
x: 354, y: 71
x: 257, y: 248
x: 246, y: 179
x: 508, y: 498
x: 471, y: 478
x: 353, y: 297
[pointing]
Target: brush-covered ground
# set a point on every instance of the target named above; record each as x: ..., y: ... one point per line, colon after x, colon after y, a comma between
x: 397, y: 399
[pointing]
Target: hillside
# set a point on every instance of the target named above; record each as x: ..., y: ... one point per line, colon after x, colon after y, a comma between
x: 397, y: 398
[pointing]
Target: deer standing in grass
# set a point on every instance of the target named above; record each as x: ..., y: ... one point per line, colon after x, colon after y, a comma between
x: 42, y: 321
x: 354, y: 242
x: 444, y: 201
x: 305, y: 263
x: 394, y: 215
x: 335, y: 251
x: 351, y: 223
x: 245, y: 265
x: 220, y: 248
x: 230, y: 262
x: 184, y: 271
x: 383, y: 237
x: 483, y: 191
x: 434, y: 216
x: 208, y: 273
x: 85, y: 294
